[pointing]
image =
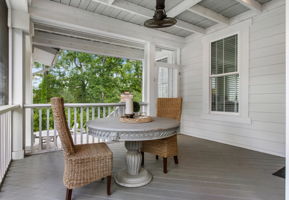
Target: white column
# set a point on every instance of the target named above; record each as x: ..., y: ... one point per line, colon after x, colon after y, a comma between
x: 19, y: 26
x: 134, y: 175
x: 28, y: 91
x: 150, y: 78
x: 18, y: 92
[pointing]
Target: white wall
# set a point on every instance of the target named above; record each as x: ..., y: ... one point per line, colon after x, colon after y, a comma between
x: 266, y: 133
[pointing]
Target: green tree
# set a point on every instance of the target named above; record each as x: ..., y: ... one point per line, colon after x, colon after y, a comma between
x: 87, y: 78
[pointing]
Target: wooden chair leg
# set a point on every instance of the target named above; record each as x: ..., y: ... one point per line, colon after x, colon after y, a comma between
x: 157, y: 157
x: 68, y: 194
x: 165, y: 165
x: 142, y: 158
x: 108, y: 186
x: 176, y: 159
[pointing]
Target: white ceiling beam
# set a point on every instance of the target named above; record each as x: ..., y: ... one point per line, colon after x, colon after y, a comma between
x: 209, y: 14
x: 75, y: 44
x: 189, y: 27
x: 181, y: 7
x: 18, y: 5
x: 132, y: 8
x: 48, y: 49
x: 86, y: 36
x: 111, y: 1
x: 42, y: 56
x: 242, y: 17
x: 57, y: 15
x: 148, y: 13
x: 251, y: 4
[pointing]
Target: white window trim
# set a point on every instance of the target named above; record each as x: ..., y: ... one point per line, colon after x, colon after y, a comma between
x: 172, y: 64
x: 224, y: 74
x: 242, y: 30
x: 173, y: 80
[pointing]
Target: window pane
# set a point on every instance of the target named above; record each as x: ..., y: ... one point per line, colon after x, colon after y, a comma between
x: 220, y: 93
x: 213, y: 58
x: 232, y: 93
x: 220, y: 60
x: 230, y: 54
x: 213, y: 94
x: 224, y: 55
x: 163, y: 82
x: 225, y: 93
x: 164, y: 60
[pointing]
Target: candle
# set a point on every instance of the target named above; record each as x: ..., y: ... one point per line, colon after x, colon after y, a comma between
x: 128, y: 106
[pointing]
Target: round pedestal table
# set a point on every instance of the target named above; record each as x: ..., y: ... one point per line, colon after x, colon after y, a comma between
x: 112, y: 129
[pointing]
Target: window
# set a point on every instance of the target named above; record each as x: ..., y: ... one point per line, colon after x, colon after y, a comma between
x: 163, y: 79
x: 163, y: 82
x: 224, y: 75
x: 167, y: 73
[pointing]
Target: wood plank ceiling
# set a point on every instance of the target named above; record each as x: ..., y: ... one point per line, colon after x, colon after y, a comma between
x: 194, y: 16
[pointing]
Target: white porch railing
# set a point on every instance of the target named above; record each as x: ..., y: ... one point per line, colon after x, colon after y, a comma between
x: 5, y: 139
x: 43, y: 136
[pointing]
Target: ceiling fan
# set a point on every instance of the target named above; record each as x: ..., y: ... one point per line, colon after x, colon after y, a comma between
x: 160, y: 19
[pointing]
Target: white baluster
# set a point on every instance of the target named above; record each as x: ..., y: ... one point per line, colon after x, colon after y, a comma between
x: 93, y: 113
x: 87, y: 119
x: 75, y: 124
x: 40, y: 128
x: 10, y: 135
x: 109, y: 111
x: 119, y: 111
x: 68, y: 117
x: 32, y: 138
x: 81, y: 125
x: 54, y: 135
x: 47, y: 127
x: 98, y: 112
x: 104, y: 112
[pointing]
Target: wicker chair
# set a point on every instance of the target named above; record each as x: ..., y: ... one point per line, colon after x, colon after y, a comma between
x: 83, y: 164
x: 168, y: 147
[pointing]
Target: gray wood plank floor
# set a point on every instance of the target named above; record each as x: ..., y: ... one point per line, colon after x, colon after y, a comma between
x: 207, y: 171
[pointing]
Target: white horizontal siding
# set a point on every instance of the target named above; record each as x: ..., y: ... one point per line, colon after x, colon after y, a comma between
x: 266, y: 133
x: 267, y: 70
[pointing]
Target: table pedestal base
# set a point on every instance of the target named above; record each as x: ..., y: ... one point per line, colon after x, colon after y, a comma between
x: 134, y: 175
x: 124, y: 179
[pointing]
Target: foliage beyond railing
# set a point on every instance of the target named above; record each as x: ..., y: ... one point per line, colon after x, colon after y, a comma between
x: 5, y: 138
x: 43, y: 136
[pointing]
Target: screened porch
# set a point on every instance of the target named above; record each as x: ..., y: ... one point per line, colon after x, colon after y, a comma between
x: 224, y: 58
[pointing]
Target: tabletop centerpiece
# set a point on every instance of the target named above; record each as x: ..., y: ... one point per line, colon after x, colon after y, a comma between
x: 132, y: 108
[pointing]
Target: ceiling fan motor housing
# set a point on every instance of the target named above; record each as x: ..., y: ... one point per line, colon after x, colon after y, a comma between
x: 160, y: 19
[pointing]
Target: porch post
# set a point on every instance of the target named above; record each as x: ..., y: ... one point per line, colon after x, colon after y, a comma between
x: 17, y: 93
x: 28, y: 88
x: 19, y: 25
x: 150, y: 78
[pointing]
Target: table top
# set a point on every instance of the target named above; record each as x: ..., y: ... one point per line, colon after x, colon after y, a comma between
x: 113, y: 129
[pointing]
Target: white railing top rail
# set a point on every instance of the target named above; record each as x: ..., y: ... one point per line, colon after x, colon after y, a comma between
x: 73, y: 105
x: 7, y: 108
